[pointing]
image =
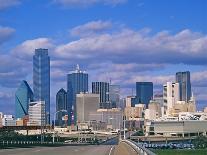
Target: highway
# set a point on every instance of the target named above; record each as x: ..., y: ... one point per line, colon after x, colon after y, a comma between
x: 64, y: 150
x: 104, y: 149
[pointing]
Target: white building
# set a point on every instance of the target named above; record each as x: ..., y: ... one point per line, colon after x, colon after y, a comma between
x: 8, y: 120
x: 185, y: 128
x: 86, y: 103
x: 171, y: 95
x: 37, y: 113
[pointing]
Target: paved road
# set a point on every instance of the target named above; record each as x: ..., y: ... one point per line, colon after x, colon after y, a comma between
x: 64, y: 150
x: 104, y: 149
x: 124, y: 149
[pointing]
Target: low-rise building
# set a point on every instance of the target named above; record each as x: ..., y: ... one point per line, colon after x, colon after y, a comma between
x: 8, y: 120
x: 176, y: 128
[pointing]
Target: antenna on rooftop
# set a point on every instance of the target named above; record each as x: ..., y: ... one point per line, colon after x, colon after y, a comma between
x: 77, y: 67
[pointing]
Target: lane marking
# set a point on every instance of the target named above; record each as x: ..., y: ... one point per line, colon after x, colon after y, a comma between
x: 111, y: 150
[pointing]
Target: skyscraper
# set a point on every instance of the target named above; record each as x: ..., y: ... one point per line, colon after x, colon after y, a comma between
x: 144, y: 92
x: 183, y: 78
x: 114, y: 95
x: 23, y: 96
x: 41, y: 79
x: 61, y: 104
x: 102, y: 88
x: 77, y: 81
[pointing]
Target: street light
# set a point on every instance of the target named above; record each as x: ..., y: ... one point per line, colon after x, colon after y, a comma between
x: 53, y: 138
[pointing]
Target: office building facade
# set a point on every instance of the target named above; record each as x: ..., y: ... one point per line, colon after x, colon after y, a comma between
x: 77, y: 81
x: 41, y: 79
x: 114, y: 95
x: 144, y: 92
x: 86, y: 103
x: 102, y: 88
x: 183, y: 78
x: 171, y: 95
x: 37, y: 115
x: 61, y: 106
x: 23, y: 96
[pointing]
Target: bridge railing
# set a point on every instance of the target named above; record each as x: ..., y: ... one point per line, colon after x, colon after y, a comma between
x: 138, y: 148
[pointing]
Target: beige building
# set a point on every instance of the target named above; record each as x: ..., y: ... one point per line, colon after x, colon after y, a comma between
x: 86, y: 103
x: 129, y: 101
x: 112, y: 117
x: 171, y: 95
x: 134, y: 113
x: 19, y: 122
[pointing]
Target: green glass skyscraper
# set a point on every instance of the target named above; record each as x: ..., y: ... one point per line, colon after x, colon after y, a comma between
x: 23, y: 96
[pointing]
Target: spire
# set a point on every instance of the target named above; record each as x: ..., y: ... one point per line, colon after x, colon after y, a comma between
x: 77, y: 67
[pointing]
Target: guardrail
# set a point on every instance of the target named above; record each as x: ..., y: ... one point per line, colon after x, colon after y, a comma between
x: 138, y: 148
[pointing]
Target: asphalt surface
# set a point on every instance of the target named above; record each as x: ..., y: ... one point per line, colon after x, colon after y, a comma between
x: 104, y: 149
x: 123, y: 149
x: 64, y: 150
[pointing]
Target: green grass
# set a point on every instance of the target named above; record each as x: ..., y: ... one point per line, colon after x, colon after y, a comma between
x: 181, y: 152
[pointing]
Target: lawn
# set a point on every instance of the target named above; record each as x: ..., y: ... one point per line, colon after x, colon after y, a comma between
x: 181, y: 152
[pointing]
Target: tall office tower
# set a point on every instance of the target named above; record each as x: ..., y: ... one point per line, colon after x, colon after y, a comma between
x: 171, y: 95
x: 86, y: 103
x: 41, y: 79
x: 183, y: 78
x: 77, y: 81
x: 61, y: 105
x: 114, y: 95
x: 102, y: 88
x: 23, y: 96
x: 144, y: 92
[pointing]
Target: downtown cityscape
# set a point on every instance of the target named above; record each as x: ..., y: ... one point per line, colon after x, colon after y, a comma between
x: 106, y: 87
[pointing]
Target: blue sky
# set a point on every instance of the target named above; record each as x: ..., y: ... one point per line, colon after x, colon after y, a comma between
x: 125, y: 40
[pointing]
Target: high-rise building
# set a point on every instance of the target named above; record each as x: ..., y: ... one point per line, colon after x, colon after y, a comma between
x: 114, y: 95
x: 102, y: 88
x: 144, y: 92
x: 86, y: 103
x: 171, y: 95
x: 23, y: 96
x: 77, y: 81
x: 37, y: 115
x: 183, y: 78
x: 61, y: 105
x: 41, y: 79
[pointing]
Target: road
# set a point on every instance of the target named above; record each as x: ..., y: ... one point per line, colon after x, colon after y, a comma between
x: 104, y: 149
x: 64, y: 150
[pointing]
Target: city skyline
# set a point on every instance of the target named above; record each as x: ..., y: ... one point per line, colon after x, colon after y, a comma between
x: 154, y: 45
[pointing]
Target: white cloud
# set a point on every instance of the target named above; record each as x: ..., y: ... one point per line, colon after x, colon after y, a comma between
x: 85, y: 3
x: 26, y: 49
x: 91, y: 28
x: 8, y: 3
x: 5, y: 33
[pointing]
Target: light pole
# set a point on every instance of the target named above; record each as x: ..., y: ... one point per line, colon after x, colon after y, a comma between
x: 53, y: 138
x: 124, y: 128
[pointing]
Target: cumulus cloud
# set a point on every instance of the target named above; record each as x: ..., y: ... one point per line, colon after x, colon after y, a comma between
x: 26, y: 49
x: 183, y: 47
x: 86, y: 3
x: 91, y: 28
x: 5, y: 33
x: 8, y: 3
